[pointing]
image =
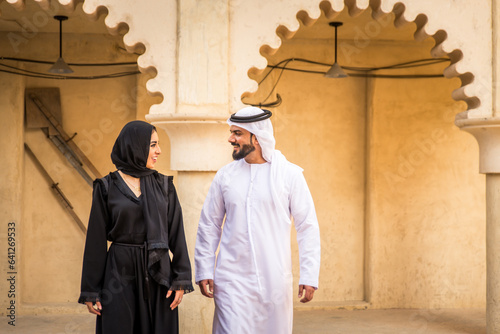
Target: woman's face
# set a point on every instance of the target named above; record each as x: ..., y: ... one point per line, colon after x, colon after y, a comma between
x: 154, y: 150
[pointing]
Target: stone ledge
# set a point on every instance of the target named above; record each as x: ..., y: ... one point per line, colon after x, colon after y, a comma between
x: 196, y: 144
x: 340, y: 305
x: 51, y: 308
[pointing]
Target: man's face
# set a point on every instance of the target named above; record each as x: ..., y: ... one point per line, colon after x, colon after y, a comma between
x: 242, y: 141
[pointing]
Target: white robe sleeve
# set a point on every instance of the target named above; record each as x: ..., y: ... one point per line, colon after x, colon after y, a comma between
x: 209, y: 232
x: 306, y: 225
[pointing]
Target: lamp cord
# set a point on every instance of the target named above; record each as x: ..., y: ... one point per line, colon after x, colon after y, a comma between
x: 365, y: 72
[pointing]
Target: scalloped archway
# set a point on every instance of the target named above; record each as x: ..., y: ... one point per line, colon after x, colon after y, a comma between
x: 160, y: 48
x: 159, y: 57
x: 467, y: 55
x: 100, y: 127
x: 472, y: 91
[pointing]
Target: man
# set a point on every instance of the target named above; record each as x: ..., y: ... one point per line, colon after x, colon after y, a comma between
x: 257, y: 193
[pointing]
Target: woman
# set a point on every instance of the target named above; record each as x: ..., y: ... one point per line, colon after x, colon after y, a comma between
x: 135, y: 287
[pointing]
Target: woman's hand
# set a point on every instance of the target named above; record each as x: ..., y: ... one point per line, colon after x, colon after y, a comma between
x: 177, y: 299
x: 92, y: 309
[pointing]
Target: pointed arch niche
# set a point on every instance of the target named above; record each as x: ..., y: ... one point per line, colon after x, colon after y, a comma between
x: 394, y: 180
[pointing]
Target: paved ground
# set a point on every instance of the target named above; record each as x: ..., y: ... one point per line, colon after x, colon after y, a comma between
x: 394, y: 321
x: 390, y: 322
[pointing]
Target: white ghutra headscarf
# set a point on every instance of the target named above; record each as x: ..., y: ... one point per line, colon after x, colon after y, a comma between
x: 262, y: 129
x: 256, y: 121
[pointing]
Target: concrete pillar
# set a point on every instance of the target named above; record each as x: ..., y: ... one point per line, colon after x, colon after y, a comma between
x: 487, y: 134
x: 196, y: 312
x: 197, y: 127
x: 196, y: 144
x: 198, y: 148
x: 493, y: 253
x: 493, y: 197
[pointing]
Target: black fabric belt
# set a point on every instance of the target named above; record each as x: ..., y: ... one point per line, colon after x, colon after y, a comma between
x: 130, y: 245
x: 144, y: 249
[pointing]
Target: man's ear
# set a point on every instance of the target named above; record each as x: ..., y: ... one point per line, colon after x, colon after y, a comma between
x: 256, y: 141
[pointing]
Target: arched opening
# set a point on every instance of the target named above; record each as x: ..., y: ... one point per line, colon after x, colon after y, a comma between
x: 50, y: 243
x: 394, y: 180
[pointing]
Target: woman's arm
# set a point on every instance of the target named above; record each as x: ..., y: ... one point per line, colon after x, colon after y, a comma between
x: 94, y: 258
x: 181, y: 266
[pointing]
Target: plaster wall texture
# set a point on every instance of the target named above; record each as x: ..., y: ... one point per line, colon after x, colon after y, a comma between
x: 196, y: 311
x: 202, y: 88
x: 203, y: 57
x: 474, y: 18
x: 426, y: 219
x: 332, y: 153
x: 243, y: 52
x: 321, y: 127
x: 385, y: 168
x: 95, y: 110
x: 11, y: 148
x: 160, y: 55
x: 401, y: 251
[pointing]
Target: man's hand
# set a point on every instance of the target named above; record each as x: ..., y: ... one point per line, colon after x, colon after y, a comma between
x: 93, y: 310
x: 309, y: 293
x: 203, y: 287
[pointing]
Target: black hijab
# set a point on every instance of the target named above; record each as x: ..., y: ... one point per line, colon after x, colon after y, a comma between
x: 130, y: 155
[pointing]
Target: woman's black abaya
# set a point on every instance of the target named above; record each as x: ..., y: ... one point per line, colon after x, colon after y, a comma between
x: 132, y: 278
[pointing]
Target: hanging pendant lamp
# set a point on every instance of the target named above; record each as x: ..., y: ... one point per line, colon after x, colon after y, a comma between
x: 335, y: 71
x: 60, y: 66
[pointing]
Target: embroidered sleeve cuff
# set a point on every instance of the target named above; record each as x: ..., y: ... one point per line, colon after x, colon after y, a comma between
x: 89, y: 297
x: 187, y: 286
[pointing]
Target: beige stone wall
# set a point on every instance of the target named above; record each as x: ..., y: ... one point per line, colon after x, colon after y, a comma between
x: 399, y: 199
x: 382, y: 158
x: 426, y: 223
x: 11, y: 214
x: 50, y: 241
x: 321, y: 127
x: 196, y: 311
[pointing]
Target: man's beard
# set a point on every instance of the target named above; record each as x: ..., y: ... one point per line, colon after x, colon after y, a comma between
x: 243, y: 152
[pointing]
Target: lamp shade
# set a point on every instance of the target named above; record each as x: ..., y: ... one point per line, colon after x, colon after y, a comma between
x: 60, y: 67
x: 335, y: 72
